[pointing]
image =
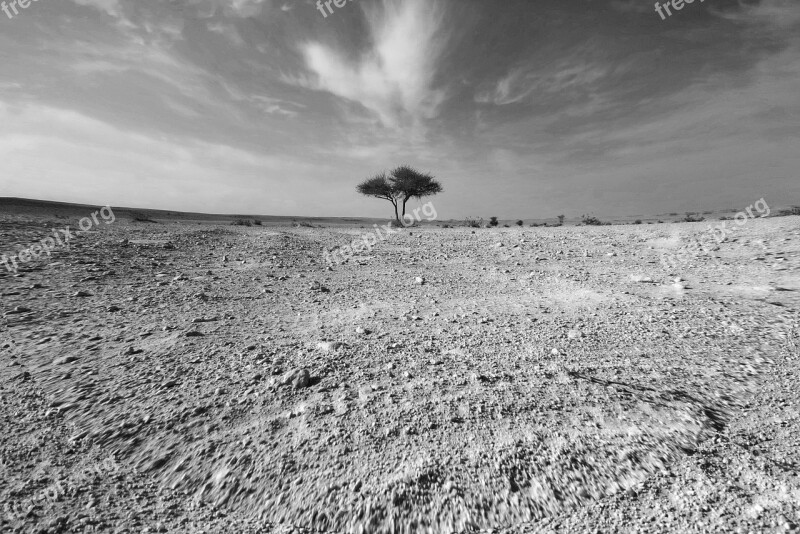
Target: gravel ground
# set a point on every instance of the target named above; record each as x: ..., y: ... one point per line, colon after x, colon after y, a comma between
x: 197, y: 378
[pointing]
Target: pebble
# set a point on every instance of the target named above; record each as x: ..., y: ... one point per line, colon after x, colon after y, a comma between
x: 574, y: 334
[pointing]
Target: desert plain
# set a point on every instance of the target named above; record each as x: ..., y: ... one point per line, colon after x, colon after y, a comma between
x: 195, y: 376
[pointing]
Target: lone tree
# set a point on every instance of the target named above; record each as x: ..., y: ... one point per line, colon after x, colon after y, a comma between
x: 379, y: 186
x: 410, y: 183
x: 400, y: 186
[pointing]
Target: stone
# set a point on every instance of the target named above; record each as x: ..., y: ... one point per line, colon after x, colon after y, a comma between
x: 574, y: 334
x: 329, y: 346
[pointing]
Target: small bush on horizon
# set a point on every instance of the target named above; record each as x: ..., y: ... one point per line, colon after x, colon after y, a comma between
x: 520, y: 223
x: 138, y: 216
x: 493, y: 221
x: 242, y: 222
x: 794, y: 210
x: 692, y: 217
x: 591, y: 220
x: 473, y: 222
x: 637, y: 221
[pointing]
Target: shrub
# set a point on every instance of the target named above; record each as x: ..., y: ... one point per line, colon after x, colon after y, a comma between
x: 493, y: 221
x: 520, y: 223
x: 692, y: 217
x: 794, y: 210
x: 637, y: 221
x: 473, y: 222
x: 138, y: 216
x: 591, y: 220
x: 242, y: 222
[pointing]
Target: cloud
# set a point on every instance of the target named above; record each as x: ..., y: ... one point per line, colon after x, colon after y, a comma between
x: 524, y: 83
x: 124, y: 167
x: 110, y: 7
x: 394, y: 78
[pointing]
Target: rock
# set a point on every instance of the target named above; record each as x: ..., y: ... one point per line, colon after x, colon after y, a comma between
x: 641, y: 279
x: 301, y: 379
x: 64, y: 360
x: 419, y: 280
x: 362, y: 331
x: 328, y: 346
x: 574, y: 334
x: 82, y: 294
x: 298, y: 379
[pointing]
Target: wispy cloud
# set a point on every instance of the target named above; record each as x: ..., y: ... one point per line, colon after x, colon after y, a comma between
x: 394, y: 77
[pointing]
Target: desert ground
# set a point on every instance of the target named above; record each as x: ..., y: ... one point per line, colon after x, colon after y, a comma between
x: 184, y: 376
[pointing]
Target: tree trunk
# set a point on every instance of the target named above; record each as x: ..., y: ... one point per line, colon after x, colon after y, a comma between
x: 396, y: 216
x: 404, y: 210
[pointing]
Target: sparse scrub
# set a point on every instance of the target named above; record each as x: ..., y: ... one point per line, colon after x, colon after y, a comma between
x: 692, y: 217
x: 473, y: 222
x: 520, y: 223
x: 794, y: 210
x: 138, y: 216
x: 493, y: 221
x: 591, y: 220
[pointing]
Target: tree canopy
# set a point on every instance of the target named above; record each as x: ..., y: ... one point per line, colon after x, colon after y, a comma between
x: 399, y: 186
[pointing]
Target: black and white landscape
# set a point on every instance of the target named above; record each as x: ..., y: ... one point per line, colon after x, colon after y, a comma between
x: 399, y: 266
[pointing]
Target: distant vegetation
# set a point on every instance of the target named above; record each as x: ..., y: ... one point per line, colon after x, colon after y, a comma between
x: 520, y: 223
x: 591, y: 220
x: 473, y: 222
x: 246, y: 222
x: 692, y: 217
x: 794, y: 210
x: 138, y: 216
x: 493, y: 221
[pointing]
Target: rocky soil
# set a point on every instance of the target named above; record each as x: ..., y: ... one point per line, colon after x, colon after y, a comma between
x: 198, y: 378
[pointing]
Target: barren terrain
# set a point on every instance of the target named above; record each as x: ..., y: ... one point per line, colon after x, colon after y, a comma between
x: 168, y: 377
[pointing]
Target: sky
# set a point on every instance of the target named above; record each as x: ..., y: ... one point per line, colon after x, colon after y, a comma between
x: 520, y: 108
